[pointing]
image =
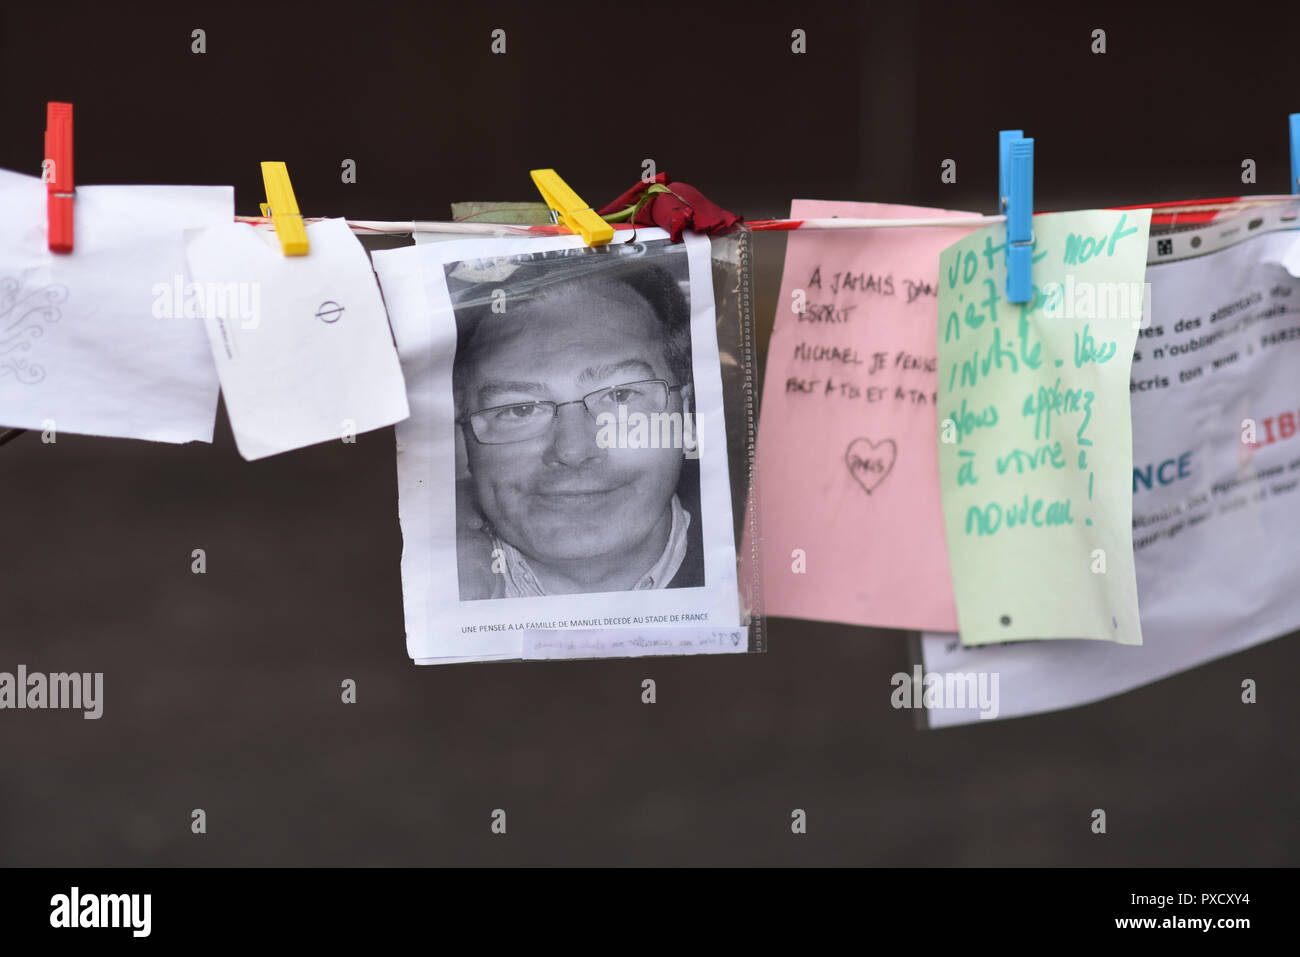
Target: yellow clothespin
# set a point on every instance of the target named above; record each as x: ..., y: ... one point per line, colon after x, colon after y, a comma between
x: 569, y: 210
x: 282, y: 207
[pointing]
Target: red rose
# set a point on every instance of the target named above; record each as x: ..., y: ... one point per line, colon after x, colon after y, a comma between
x: 672, y: 207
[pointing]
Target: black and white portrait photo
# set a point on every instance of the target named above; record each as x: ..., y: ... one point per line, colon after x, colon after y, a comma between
x: 564, y: 468
x: 574, y: 400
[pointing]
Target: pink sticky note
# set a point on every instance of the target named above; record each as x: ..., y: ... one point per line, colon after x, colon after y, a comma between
x: 851, y: 522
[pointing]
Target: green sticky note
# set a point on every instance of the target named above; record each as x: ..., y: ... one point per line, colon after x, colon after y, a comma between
x: 1035, y: 439
x: 514, y: 214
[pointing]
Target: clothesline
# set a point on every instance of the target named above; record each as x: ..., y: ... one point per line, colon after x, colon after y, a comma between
x: 402, y: 227
x: 1169, y: 212
x: 373, y: 227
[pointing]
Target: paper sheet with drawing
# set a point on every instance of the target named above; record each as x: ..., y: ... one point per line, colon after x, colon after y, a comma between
x: 1035, y: 443
x: 301, y: 343
x: 100, y: 341
x: 847, y: 462
x: 563, y: 476
x: 1215, y: 520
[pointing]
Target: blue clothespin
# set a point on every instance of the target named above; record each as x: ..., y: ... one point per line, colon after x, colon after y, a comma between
x: 1295, y: 152
x: 1016, y: 201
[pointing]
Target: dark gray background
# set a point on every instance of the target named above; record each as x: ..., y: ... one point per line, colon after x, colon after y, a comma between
x: 222, y: 690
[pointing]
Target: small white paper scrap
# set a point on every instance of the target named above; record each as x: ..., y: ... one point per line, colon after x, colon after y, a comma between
x: 98, y: 341
x: 301, y: 343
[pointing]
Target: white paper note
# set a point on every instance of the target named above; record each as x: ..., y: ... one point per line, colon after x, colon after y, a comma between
x: 1216, y: 517
x: 97, y: 341
x: 301, y: 343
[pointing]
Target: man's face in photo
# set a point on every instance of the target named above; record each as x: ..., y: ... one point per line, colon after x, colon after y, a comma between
x: 560, y: 496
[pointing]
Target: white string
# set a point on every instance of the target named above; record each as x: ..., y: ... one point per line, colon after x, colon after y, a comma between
x: 372, y: 226
x: 840, y: 222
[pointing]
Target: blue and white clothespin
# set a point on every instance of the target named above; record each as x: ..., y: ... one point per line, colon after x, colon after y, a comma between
x: 1016, y: 201
x: 1295, y: 153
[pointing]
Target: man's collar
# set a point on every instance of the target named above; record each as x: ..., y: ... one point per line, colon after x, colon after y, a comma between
x: 521, y: 582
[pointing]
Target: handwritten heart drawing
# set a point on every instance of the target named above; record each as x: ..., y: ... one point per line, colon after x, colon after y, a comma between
x: 870, y: 462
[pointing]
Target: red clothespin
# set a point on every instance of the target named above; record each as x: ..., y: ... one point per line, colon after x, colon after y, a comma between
x: 58, y: 175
